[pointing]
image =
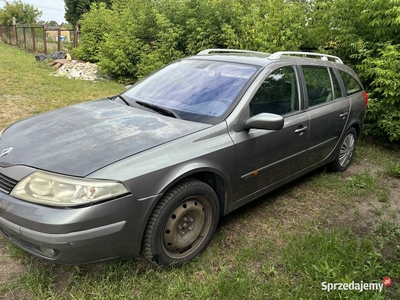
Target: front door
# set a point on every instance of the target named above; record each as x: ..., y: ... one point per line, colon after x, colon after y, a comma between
x: 264, y: 157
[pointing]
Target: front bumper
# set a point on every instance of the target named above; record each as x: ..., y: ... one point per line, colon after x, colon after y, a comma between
x: 76, y: 235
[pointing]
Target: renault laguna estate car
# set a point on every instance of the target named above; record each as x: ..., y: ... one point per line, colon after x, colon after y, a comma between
x: 152, y: 170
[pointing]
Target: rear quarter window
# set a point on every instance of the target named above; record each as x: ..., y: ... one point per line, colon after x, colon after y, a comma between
x: 351, y: 84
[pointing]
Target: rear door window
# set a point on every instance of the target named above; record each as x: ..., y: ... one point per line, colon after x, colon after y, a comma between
x: 319, y: 81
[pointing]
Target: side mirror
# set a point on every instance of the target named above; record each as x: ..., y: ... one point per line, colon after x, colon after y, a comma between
x: 265, y: 121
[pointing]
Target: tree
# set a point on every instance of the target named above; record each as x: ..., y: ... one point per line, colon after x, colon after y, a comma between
x: 23, y: 13
x: 52, y: 23
x: 74, y: 9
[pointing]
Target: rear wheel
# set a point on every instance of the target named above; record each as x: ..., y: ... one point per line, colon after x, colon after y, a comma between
x: 182, y: 224
x: 346, y: 151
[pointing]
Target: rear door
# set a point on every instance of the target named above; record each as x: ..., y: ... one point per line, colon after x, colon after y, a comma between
x: 328, y: 111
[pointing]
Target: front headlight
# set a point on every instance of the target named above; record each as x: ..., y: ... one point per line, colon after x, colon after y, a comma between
x: 59, y: 190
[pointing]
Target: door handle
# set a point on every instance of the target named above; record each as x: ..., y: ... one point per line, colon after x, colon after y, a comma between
x: 300, y: 130
x: 344, y: 114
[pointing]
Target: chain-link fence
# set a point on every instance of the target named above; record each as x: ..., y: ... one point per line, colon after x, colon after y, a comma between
x: 39, y: 38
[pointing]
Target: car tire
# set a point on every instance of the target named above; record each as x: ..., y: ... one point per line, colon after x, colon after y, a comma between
x: 345, y: 152
x: 182, y: 224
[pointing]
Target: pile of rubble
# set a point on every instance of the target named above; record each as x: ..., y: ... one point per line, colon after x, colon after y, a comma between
x: 77, y: 70
x: 70, y: 68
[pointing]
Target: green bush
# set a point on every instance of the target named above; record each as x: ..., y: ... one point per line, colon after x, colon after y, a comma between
x: 383, y: 73
x: 95, y: 26
x: 137, y: 37
x: 365, y: 33
x: 130, y: 37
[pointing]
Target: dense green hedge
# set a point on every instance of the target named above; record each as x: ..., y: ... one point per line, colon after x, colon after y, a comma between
x: 136, y: 37
x: 366, y: 33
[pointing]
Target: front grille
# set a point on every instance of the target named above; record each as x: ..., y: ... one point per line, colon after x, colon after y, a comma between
x: 7, y: 183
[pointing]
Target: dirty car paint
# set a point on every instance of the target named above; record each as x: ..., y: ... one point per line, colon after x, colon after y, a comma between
x: 88, y: 136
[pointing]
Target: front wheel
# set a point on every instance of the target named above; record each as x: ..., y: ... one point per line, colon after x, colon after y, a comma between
x: 346, y: 151
x: 182, y: 224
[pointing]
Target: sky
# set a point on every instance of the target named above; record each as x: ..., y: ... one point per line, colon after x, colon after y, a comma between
x: 51, y: 9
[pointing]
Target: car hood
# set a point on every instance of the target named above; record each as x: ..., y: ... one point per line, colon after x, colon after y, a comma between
x: 83, y: 138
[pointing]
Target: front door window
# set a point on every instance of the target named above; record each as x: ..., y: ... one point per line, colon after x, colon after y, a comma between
x: 278, y: 94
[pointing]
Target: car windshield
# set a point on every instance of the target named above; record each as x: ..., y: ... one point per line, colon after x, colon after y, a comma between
x: 195, y: 90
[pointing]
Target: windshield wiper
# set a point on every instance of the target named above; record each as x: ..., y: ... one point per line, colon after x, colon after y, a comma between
x: 120, y: 97
x: 159, y: 109
x: 123, y: 99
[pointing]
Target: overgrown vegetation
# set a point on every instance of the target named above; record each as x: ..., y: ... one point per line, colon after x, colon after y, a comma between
x: 366, y: 34
x: 133, y: 38
x: 330, y: 227
x: 136, y: 37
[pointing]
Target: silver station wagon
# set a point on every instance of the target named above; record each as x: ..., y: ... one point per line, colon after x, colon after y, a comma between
x: 153, y: 169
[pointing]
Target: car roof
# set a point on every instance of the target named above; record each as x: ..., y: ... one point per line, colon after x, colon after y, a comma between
x: 263, y: 59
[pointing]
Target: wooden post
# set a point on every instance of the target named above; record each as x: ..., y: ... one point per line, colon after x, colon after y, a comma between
x: 44, y: 40
x: 9, y: 34
x: 16, y: 34
x: 59, y: 39
x: 23, y: 30
x: 14, y: 22
x: 76, y: 35
x: 33, y: 39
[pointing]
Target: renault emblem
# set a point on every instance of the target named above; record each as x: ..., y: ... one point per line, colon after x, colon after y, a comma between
x: 6, y: 151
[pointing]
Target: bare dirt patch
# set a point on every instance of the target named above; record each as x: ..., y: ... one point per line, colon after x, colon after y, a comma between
x: 366, y: 215
x: 9, y: 268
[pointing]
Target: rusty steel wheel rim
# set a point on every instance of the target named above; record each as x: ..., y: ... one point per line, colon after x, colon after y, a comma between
x: 187, y: 227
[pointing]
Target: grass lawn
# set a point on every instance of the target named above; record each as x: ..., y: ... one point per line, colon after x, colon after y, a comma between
x: 325, y: 227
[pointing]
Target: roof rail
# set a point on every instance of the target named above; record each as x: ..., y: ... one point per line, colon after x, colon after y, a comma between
x: 278, y: 55
x: 207, y: 51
